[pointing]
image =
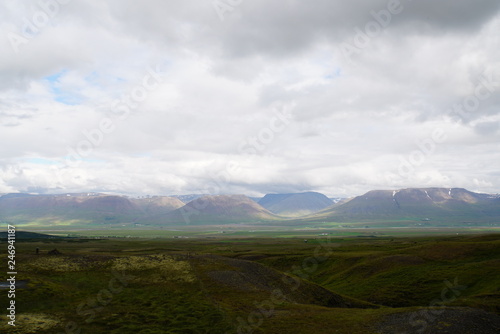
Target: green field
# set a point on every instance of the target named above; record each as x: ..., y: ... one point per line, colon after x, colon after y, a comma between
x: 260, y: 231
x: 347, y: 281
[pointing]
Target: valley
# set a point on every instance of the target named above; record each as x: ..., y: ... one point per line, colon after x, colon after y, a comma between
x: 416, y: 260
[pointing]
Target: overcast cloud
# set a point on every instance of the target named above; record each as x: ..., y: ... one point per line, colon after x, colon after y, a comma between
x: 250, y: 96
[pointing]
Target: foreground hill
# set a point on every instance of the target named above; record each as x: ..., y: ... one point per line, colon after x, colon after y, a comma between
x: 295, y: 205
x: 421, y: 204
x: 267, y: 286
x: 220, y: 209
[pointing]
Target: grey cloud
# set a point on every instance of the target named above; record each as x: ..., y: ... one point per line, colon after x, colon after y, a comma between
x: 487, y: 128
x: 285, y: 28
x: 350, y: 123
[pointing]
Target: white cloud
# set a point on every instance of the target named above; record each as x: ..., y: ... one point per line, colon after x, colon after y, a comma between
x: 222, y: 83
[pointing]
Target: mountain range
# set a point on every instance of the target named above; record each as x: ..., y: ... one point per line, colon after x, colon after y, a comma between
x: 428, y: 205
x: 424, y: 204
x: 217, y: 209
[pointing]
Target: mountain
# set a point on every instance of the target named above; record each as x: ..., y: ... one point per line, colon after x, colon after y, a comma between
x: 156, y: 205
x: 427, y: 206
x: 219, y: 209
x: 420, y: 204
x: 188, y: 198
x: 108, y: 209
x: 53, y: 209
x: 295, y: 205
x: 336, y: 200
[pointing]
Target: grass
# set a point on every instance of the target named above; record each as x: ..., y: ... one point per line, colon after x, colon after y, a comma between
x: 200, y: 285
x: 242, y: 231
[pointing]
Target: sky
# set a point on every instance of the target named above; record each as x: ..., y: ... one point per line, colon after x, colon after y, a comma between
x: 249, y: 96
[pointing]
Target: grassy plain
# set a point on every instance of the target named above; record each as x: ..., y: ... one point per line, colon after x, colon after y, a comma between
x: 270, y: 281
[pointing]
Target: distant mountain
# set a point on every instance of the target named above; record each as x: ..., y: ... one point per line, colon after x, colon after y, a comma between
x: 188, y: 198
x: 157, y: 204
x: 295, y: 205
x: 98, y: 209
x: 423, y: 204
x: 78, y: 208
x: 336, y: 200
x: 15, y: 195
x: 220, y: 209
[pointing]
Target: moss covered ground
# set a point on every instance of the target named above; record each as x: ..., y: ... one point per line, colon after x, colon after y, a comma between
x: 250, y: 285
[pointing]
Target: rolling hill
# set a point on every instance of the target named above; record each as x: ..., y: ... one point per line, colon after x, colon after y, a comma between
x: 295, y: 205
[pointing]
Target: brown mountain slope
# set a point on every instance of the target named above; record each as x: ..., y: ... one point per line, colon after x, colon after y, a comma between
x: 158, y: 204
x: 85, y: 208
x: 418, y: 204
x: 217, y: 209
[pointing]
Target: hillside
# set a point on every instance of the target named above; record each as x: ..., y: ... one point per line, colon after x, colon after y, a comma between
x: 264, y: 285
x: 96, y: 209
x: 76, y: 208
x: 418, y: 204
x: 295, y: 205
x: 157, y: 204
x: 221, y: 209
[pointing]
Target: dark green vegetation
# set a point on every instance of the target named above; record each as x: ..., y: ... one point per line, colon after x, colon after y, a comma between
x: 349, y: 285
x: 28, y: 235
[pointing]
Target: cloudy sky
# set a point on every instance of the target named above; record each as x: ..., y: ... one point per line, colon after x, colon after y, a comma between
x: 249, y: 96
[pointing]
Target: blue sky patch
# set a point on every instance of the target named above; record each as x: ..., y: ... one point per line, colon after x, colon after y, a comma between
x: 41, y: 161
x: 60, y: 94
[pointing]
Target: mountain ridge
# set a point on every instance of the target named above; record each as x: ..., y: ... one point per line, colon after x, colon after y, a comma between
x: 220, y: 209
x: 432, y: 204
x: 416, y: 204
